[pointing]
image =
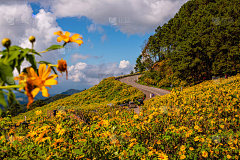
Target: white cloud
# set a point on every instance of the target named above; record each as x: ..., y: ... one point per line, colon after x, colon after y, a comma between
x: 124, y: 64
x: 18, y: 25
x: 92, y: 74
x: 130, y: 17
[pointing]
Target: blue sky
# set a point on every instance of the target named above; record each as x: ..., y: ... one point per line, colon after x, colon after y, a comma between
x: 112, y: 31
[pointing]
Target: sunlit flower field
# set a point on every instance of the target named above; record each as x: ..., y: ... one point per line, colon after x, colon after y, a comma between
x: 201, y: 122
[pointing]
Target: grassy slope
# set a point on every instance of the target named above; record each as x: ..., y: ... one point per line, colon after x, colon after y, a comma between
x: 107, y: 91
x: 200, y: 113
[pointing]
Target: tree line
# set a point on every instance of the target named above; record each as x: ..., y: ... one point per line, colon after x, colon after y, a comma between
x: 199, y: 42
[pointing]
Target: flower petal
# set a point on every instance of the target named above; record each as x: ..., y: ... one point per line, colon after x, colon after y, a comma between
x: 50, y: 82
x: 66, y: 39
x: 53, y: 76
x: 31, y: 72
x: 46, y: 73
x: 35, y: 91
x: 78, y: 42
x: 59, y: 39
x: 41, y: 69
x: 75, y: 36
x: 67, y: 34
x: 58, y: 33
x: 45, y: 92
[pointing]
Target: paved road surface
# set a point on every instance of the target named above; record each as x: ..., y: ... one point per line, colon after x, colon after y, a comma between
x: 145, y: 89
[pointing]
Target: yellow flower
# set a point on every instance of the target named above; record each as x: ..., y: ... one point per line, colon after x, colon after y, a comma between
x: 202, y: 139
x: 191, y: 148
x: 135, y: 116
x: 205, y: 154
x: 229, y: 157
x: 150, y: 153
x: 106, y: 122
x: 57, y: 141
x: 34, y: 83
x: 182, y: 148
x: 162, y: 156
x: 141, y: 114
x: 43, y: 80
x: 67, y: 37
x: 38, y: 112
x: 150, y: 116
x: 132, y: 144
x: 133, y: 140
x: 39, y: 138
x: 58, y: 128
x: 31, y: 133
x: 182, y: 156
x: 196, y: 127
x: 196, y: 138
x: 61, y: 132
x: 128, y: 133
x: 117, y: 112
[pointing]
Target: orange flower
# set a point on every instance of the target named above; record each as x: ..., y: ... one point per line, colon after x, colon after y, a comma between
x: 62, y: 67
x: 34, y: 83
x: 68, y: 39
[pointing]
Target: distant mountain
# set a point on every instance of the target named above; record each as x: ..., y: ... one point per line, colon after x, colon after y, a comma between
x: 56, y: 97
x: 23, y: 99
x: 48, y: 100
x: 71, y: 91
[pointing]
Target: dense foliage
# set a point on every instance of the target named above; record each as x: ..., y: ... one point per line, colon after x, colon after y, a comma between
x: 201, y: 41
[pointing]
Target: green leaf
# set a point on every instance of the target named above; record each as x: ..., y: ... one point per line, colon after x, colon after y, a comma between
x: 6, y: 74
x: 31, y: 58
x: 18, y: 64
x: 11, y: 97
x: 15, y: 48
x: 54, y: 47
x: 13, y: 55
x: 2, y: 100
x: 77, y: 151
x: 24, y: 52
x: 33, y: 51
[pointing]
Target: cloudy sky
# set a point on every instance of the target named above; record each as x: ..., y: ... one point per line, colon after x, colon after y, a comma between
x: 113, y: 32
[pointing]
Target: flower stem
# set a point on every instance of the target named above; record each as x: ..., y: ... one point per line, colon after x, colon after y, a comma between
x: 43, y: 51
x: 32, y: 48
x: 50, y: 50
x: 12, y: 86
x: 53, y: 65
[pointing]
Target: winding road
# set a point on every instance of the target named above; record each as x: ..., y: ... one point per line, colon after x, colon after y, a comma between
x: 145, y: 89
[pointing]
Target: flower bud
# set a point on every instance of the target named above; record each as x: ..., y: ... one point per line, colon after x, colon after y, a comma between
x: 32, y: 39
x: 6, y: 42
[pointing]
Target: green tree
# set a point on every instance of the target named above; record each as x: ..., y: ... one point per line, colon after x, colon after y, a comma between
x: 37, y: 103
x: 139, y: 67
x: 15, y: 109
x: 201, y: 40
